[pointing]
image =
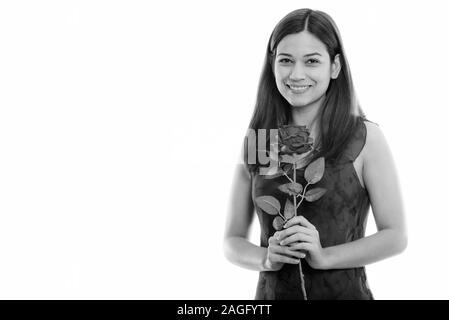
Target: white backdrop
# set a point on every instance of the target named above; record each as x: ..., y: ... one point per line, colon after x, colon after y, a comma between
x: 121, y: 122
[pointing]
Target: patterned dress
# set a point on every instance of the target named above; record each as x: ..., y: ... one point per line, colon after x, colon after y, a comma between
x: 340, y: 216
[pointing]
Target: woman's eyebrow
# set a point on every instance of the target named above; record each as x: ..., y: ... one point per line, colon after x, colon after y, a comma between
x: 306, y: 55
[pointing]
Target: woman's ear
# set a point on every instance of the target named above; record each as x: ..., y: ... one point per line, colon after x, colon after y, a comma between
x: 336, y: 67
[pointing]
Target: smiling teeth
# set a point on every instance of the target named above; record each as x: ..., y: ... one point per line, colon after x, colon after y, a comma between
x: 298, y: 88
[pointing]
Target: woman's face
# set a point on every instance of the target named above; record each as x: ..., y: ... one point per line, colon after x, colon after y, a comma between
x: 303, y: 69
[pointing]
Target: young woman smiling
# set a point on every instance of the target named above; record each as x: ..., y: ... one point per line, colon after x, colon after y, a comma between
x: 306, y: 81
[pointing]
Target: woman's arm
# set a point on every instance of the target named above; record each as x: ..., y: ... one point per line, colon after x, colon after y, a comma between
x: 381, y: 181
x: 237, y: 248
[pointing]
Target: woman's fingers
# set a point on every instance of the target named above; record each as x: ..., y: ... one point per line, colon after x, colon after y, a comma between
x: 283, y: 254
x: 274, y: 249
x: 280, y: 235
x: 294, y: 230
x: 273, y: 240
x: 290, y: 252
x: 284, y: 259
x: 297, y: 237
x: 301, y: 246
x: 299, y: 220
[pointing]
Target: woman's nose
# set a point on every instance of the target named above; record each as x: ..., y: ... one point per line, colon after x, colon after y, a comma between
x: 297, y: 72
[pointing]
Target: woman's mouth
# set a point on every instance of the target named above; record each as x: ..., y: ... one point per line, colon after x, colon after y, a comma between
x: 298, y: 89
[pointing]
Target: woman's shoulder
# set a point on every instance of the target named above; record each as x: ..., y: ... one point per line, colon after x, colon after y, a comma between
x: 357, y: 140
x: 366, y: 134
x: 374, y: 133
x: 372, y: 128
x: 375, y: 141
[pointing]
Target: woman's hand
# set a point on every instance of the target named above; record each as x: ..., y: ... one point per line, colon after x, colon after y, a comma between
x: 300, y: 234
x: 278, y: 254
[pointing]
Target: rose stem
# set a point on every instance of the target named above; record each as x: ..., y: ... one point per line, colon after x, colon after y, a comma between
x: 288, y: 177
x: 300, y: 266
x: 303, y: 194
x: 279, y: 213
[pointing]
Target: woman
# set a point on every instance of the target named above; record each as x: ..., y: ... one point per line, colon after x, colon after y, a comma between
x: 319, y: 253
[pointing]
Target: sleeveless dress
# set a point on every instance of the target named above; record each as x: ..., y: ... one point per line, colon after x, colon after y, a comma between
x: 340, y: 216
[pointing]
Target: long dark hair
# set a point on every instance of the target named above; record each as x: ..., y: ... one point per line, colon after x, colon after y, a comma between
x: 340, y: 110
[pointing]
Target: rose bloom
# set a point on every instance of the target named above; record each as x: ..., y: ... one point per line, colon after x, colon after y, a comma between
x: 294, y: 139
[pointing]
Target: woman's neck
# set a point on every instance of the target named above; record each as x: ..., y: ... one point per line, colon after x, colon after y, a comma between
x: 307, y: 116
x: 304, y: 116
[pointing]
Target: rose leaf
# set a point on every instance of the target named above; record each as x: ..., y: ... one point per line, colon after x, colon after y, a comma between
x: 284, y: 188
x: 269, y: 204
x: 300, y: 157
x: 314, y: 171
x: 278, y: 223
x: 273, y: 176
x: 302, y: 160
x: 287, y: 158
x: 295, y: 187
x: 287, y: 167
x: 289, y: 209
x: 273, y: 172
x: 314, y: 194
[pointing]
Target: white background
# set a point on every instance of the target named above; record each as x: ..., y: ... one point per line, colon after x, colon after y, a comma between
x: 121, y: 122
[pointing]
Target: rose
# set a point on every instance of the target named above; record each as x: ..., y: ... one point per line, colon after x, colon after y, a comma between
x: 295, y: 146
x: 312, y: 174
x: 294, y: 139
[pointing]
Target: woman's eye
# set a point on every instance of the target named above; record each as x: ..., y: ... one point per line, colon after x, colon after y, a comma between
x: 312, y: 61
x: 284, y: 60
